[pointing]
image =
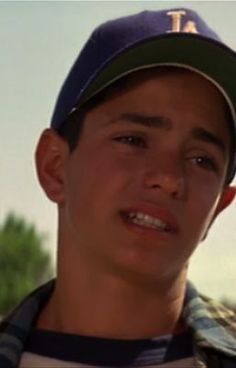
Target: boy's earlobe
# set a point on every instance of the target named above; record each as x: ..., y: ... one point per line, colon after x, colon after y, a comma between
x: 226, y: 199
x: 50, y: 156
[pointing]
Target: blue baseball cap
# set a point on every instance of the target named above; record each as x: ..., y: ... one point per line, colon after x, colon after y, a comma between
x: 175, y: 37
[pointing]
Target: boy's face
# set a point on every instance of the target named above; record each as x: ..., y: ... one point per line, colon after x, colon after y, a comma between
x: 147, y: 177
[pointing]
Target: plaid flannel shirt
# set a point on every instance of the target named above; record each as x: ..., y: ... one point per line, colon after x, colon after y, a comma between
x: 213, y: 327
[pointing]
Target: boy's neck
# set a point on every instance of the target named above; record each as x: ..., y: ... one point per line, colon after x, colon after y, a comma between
x: 108, y: 306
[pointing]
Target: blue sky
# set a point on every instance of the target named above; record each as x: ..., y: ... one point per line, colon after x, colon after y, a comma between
x: 39, y: 42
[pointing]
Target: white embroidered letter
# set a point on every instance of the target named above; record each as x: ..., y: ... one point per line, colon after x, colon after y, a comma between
x: 190, y: 27
x: 176, y: 20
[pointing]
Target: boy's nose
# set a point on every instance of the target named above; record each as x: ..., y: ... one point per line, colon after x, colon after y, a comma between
x: 166, y: 174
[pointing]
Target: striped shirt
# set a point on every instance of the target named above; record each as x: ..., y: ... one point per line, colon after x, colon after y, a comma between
x: 36, y: 361
x: 44, y: 348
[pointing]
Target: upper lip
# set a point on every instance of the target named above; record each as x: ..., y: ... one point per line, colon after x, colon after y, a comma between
x: 156, y: 211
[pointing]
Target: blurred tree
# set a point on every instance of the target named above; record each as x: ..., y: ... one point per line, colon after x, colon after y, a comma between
x: 24, y: 264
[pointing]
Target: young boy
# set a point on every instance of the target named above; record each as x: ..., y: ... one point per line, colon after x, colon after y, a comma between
x: 139, y: 160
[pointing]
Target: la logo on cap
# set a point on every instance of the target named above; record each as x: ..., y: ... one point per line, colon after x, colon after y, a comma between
x: 177, y: 26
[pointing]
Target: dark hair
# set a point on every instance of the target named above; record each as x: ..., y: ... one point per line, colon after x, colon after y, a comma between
x: 72, y: 128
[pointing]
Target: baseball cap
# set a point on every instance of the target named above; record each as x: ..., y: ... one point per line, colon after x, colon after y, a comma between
x: 175, y: 37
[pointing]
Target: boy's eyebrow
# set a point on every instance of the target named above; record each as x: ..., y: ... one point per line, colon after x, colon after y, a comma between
x: 155, y: 121
x: 209, y: 137
x: 162, y: 122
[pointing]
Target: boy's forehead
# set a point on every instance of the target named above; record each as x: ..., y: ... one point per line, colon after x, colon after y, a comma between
x: 130, y: 104
x: 151, y: 84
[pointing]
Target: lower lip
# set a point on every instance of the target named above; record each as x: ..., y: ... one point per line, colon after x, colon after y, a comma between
x: 146, y: 231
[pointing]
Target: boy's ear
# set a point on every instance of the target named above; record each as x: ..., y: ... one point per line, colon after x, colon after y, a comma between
x: 50, y: 157
x: 226, y: 199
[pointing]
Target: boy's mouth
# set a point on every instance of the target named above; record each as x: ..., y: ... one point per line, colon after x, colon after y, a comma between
x: 146, y: 220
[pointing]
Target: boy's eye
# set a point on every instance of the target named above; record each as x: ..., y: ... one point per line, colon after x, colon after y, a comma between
x: 132, y: 140
x: 206, y: 163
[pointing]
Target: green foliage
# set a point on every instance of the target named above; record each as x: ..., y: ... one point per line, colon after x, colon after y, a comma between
x: 24, y: 264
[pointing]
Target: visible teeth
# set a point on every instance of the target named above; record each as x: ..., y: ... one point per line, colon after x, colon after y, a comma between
x: 132, y: 215
x: 140, y: 218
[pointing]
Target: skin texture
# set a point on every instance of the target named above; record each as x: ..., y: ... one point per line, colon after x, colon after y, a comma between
x: 146, y: 149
